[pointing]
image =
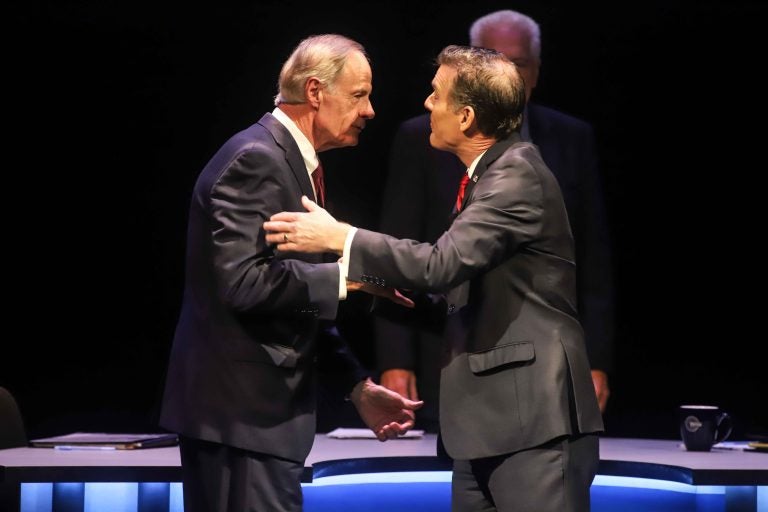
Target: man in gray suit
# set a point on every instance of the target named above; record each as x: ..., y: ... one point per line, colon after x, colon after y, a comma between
x: 518, y: 409
x: 254, y: 326
x: 420, y: 192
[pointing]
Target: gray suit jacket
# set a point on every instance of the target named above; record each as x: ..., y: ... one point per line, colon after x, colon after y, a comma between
x: 515, y: 373
x: 243, y: 363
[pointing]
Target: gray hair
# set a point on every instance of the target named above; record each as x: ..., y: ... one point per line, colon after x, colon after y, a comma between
x: 322, y: 57
x: 513, y: 19
x: 489, y: 83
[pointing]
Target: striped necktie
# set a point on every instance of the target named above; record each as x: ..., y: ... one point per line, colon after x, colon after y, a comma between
x: 319, y: 180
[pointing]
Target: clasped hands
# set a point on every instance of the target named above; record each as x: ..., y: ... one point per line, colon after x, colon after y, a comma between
x: 316, y: 231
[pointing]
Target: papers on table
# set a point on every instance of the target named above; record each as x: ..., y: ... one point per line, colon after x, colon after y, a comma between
x: 104, y: 441
x: 364, y: 433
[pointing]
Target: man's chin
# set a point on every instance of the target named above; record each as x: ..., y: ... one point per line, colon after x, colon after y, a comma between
x: 346, y: 143
x: 436, y: 143
x: 351, y: 140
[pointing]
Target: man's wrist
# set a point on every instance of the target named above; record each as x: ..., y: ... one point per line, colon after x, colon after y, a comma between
x: 343, y: 240
x: 357, y: 391
x: 342, y: 281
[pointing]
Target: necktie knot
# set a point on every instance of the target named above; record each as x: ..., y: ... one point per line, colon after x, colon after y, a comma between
x: 462, y: 188
x: 318, y: 179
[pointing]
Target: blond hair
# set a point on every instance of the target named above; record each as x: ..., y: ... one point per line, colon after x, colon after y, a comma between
x: 322, y: 57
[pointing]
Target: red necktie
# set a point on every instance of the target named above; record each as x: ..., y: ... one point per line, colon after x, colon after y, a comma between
x: 319, y: 180
x: 462, y: 188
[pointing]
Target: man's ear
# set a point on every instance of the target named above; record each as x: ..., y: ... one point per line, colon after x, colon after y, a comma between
x: 313, y: 91
x: 466, y: 118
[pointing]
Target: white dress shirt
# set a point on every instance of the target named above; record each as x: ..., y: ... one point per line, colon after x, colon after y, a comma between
x: 311, y: 161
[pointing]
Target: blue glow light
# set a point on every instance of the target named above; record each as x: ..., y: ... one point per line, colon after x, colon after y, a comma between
x: 115, y: 497
x: 36, y: 496
x: 101, y: 496
x: 426, y: 491
x: 397, y: 477
x: 660, y: 485
x: 176, y: 501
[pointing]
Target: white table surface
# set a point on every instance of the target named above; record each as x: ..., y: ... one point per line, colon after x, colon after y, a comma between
x: 325, y: 449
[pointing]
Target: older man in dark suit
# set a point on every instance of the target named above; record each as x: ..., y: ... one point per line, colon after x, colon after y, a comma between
x: 253, y: 327
x: 419, y: 196
x: 519, y: 414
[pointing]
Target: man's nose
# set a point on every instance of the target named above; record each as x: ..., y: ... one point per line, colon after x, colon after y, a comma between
x: 369, y: 113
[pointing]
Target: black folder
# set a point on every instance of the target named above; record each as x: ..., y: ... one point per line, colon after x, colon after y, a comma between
x: 117, y: 441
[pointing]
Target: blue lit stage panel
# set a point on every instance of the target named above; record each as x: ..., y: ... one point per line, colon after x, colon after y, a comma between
x: 426, y: 491
x: 368, y: 476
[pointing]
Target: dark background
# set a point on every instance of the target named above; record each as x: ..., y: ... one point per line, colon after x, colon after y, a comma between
x: 114, y: 107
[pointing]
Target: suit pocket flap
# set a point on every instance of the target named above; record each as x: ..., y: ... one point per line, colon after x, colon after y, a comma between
x: 277, y: 355
x: 282, y: 356
x: 499, y: 356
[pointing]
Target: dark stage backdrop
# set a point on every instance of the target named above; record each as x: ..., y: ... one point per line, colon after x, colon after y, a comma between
x: 116, y: 106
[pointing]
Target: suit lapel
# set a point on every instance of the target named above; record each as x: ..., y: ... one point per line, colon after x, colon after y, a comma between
x: 490, y: 156
x: 295, y: 161
x: 293, y: 156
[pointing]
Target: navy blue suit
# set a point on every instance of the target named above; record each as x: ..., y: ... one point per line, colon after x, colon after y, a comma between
x: 253, y: 332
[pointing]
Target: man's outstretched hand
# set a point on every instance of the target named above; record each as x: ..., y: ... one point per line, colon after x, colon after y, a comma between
x: 317, y: 231
x: 385, y: 412
x: 312, y: 231
x: 384, y: 292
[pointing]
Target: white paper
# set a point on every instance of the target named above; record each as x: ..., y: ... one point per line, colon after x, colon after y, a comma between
x: 733, y: 445
x: 364, y: 433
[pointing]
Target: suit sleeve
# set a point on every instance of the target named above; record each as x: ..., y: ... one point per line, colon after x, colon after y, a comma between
x: 504, y: 213
x: 249, y: 276
x: 339, y: 368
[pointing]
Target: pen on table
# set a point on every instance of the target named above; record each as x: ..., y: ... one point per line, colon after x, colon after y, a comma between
x: 72, y: 448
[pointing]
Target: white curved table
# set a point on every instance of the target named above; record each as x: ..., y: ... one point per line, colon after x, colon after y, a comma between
x: 742, y: 475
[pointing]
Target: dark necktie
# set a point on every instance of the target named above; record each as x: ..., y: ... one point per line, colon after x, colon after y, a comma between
x: 462, y: 188
x: 319, y: 180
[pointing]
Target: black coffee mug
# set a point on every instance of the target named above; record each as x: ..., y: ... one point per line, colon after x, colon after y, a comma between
x: 701, y: 426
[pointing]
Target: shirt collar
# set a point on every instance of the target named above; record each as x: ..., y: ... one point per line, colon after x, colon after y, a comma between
x: 308, y: 152
x: 472, y: 166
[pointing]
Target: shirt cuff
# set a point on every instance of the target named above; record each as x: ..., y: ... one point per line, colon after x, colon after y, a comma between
x: 344, y: 263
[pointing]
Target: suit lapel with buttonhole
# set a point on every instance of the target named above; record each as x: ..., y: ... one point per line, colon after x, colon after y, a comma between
x: 295, y: 161
x: 493, y: 153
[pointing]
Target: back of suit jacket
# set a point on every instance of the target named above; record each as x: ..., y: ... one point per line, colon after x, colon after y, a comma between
x: 516, y: 372
x: 243, y: 360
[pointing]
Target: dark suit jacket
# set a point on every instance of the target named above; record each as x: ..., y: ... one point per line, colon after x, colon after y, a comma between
x: 421, y: 190
x: 516, y: 372
x: 242, y: 367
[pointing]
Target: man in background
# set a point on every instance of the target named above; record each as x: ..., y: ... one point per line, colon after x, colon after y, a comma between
x: 419, y: 195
